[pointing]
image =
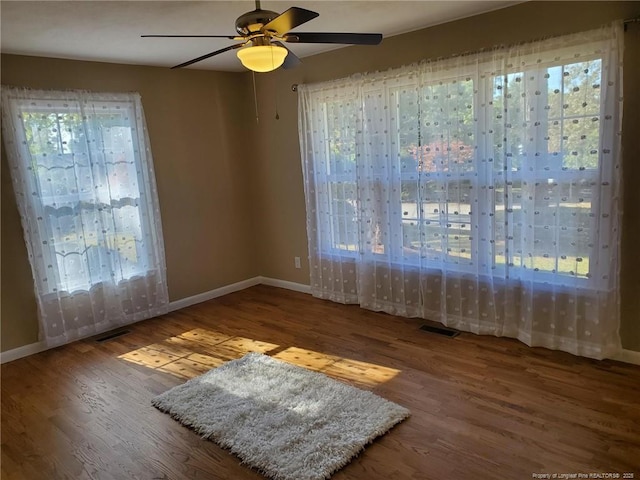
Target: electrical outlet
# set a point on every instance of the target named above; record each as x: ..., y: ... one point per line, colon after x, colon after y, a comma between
x: 296, y: 260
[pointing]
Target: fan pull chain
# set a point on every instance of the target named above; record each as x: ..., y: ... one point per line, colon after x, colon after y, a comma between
x: 255, y: 95
x: 272, y: 64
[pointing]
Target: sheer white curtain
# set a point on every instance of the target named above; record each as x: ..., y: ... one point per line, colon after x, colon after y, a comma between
x: 482, y: 191
x: 83, y: 175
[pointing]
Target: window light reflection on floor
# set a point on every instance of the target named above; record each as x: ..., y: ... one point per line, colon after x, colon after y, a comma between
x: 353, y: 371
x: 197, y: 351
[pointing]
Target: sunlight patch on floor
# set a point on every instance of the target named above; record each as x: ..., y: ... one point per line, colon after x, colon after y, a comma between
x: 352, y: 371
x: 197, y: 351
x: 194, y: 352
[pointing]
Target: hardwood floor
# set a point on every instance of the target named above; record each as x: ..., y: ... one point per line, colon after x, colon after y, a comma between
x: 482, y: 407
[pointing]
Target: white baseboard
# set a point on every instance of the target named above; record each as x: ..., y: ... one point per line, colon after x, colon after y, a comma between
x: 296, y: 287
x: 626, y: 356
x: 218, y: 292
x: 24, y: 351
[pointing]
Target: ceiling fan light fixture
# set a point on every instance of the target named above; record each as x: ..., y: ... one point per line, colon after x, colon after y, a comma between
x: 262, y: 58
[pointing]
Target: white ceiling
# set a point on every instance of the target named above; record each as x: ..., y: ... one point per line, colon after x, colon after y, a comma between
x: 109, y: 31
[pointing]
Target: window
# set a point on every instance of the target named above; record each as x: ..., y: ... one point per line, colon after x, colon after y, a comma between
x: 546, y: 196
x: 490, y: 170
x: 88, y: 189
x: 336, y: 174
x: 438, y: 171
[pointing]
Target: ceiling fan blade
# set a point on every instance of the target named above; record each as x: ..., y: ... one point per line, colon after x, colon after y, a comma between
x: 346, y: 38
x: 291, y: 60
x: 290, y: 19
x: 208, y: 55
x: 190, y: 36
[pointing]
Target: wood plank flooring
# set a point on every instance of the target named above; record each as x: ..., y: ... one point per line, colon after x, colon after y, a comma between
x: 482, y: 407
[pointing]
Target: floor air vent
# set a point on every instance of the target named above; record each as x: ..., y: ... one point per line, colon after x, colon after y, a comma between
x: 447, y: 332
x: 111, y: 335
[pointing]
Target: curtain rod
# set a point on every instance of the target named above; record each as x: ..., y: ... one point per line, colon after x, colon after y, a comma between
x: 630, y: 20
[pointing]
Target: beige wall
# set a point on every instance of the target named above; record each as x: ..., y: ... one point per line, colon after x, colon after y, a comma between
x: 248, y: 202
x: 282, y: 195
x: 198, y: 131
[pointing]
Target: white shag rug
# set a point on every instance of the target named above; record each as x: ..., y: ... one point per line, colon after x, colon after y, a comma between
x: 287, y: 422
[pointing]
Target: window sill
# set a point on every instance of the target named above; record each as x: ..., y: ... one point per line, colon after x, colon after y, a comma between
x: 540, y: 281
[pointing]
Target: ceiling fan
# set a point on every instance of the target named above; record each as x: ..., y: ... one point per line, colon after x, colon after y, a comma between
x: 262, y: 33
